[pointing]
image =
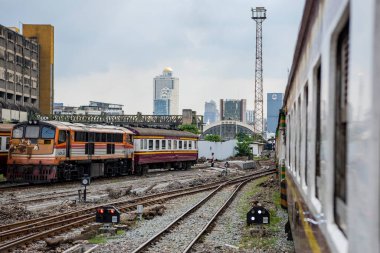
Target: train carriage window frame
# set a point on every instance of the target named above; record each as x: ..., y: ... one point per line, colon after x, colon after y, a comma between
x: 195, y: 145
x: 90, y: 136
x: 150, y: 144
x: 145, y: 144
x: 306, y: 102
x: 98, y: 137
x: 141, y: 144
x: 18, y: 132
x: 175, y: 142
x: 190, y: 144
x: 317, y: 104
x: 7, y: 143
x: 163, y: 144
x: 340, y: 128
x: 179, y: 144
x: 184, y: 144
x: 169, y: 144
x: 157, y: 145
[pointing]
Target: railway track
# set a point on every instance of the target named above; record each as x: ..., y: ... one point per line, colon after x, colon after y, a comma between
x: 20, y: 233
x: 185, y: 231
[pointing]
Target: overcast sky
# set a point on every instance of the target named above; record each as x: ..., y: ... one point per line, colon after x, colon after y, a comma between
x: 111, y: 50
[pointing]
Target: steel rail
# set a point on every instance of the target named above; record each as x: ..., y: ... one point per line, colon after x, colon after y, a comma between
x: 158, y: 235
x: 43, y: 225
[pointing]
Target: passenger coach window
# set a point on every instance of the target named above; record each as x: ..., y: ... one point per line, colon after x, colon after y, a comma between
x: 61, y: 137
x: 157, y: 145
x: 185, y: 145
x: 169, y: 144
x: 141, y: 144
x: 7, y: 143
x: 179, y: 144
x: 318, y: 131
x: 175, y: 144
x: 145, y: 144
x: 32, y: 132
x: 190, y: 142
x: 340, y: 153
x: 306, y: 124
x: 18, y: 132
x: 195, y: 144
x: 163, y: 144
x: 150, y: 144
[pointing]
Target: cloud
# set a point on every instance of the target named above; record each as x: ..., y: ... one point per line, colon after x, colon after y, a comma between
x: 111, y: 50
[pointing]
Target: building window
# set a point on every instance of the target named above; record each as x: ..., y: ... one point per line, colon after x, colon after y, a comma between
x: 2, y: 73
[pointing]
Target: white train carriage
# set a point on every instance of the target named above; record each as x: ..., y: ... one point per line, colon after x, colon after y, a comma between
x: 330, y: 146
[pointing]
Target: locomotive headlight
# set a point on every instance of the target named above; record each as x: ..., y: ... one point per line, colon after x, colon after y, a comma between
x: 35, y: 122
x: 252, y: 218
x: 30, y: 122
x: 259, y: 211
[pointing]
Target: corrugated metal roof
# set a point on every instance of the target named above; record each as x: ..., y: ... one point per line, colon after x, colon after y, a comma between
x: 164, y: 132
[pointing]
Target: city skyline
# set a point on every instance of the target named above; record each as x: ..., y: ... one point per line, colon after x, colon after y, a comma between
x: 210, y: 45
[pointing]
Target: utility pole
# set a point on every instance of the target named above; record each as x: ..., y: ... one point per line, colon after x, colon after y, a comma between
x: 259, y: 15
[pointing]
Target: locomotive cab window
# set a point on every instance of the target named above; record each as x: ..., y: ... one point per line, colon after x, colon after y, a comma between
x: 18, y: 132
x: 47, y: 132
x: 61, y: 136
x: 32, y: 132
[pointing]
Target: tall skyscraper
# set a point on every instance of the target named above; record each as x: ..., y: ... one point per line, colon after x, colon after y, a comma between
x: 166, y: 93
x: 274, y: 104
x: 233, y: 109
x: 250, y: 116
x: 211, y: 112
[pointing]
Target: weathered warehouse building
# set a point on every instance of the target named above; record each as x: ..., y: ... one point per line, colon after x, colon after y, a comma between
x: 26, y: 71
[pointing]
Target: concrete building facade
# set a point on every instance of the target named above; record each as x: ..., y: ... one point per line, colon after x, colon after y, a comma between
x: 166, y: 93
x: 233, y: 109
x: 274, y: 104
x: 44, y: 36
x: 26, y: 71
x: 250, y: 117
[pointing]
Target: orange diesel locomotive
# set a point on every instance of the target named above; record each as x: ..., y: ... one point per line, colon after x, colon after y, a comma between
x: 54, y: 151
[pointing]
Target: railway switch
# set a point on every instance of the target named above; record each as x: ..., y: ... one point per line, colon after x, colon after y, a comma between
x: 107, y: 214
x: 258, y: 215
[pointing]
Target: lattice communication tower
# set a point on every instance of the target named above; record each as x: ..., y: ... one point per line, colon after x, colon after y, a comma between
x: 259, y: 15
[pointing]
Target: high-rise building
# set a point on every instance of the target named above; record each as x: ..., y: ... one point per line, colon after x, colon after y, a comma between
x: 274, y: 104
x: 211, y: 112
x: 21, y: 64
x: 233, y: 109
x: 44, y: 36
x: 250, y: 117
x: 166, y: 93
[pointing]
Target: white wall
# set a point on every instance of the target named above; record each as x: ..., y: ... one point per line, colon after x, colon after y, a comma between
x: 9, y: 115
x: 221, y: 150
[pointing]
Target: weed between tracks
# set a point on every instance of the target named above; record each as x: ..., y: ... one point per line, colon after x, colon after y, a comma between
x: 100, y: 239
x: 272, y: 239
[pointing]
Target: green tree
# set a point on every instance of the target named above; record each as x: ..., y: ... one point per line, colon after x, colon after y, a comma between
x: 213, y: 138
x: 189, y: 128
x: 243, y: 148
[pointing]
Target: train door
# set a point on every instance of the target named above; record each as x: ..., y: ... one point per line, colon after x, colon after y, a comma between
x: 68, y: 144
